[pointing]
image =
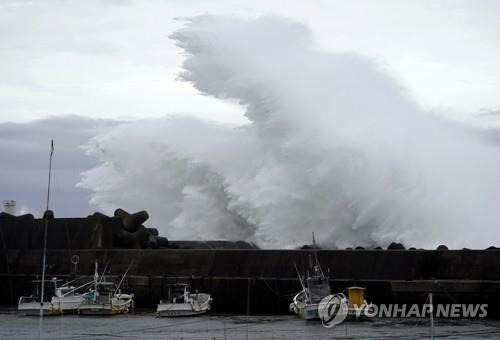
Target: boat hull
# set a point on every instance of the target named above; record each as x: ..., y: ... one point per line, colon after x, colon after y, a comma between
x: 95, y: 310
x: 178, y: 309
x: 32, y: 308
x: 106, y: 309
x: 56, y: 307
x: 309, y: 312
x: 67, y: 304
x: 121, y: 305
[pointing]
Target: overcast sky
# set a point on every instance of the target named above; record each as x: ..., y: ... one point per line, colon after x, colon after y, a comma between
x: 24, y: 162
x: 113, y: 60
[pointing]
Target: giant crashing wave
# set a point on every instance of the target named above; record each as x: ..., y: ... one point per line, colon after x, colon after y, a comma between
x: 332, y: 145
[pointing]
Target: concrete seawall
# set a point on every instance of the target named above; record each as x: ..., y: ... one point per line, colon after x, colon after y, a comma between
x: 399, y: 276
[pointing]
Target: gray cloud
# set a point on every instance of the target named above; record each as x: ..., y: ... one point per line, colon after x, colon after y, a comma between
x: 24, y: 156
x: 489, y: 112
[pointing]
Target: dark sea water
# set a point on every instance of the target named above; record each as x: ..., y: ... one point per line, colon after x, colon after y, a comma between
x: 147, y: 326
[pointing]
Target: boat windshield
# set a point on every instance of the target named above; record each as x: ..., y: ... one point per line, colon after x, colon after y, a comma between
x: 65, y: 290
x: 176, y: 292
x: 105, y: 287
x: 49, y: 290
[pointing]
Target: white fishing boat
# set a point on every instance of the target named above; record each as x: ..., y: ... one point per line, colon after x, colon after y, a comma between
x: 181, y: 302
x: 106, y: 298
x: 103, y: 300
x: 30, y: 305
x: 57, y: 299
x: 314, y: 288
x: 316, y: 295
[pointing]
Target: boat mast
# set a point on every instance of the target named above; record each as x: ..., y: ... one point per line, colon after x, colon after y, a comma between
x: 96, y: 279
x: 317, y: 266
x: 40, y: 325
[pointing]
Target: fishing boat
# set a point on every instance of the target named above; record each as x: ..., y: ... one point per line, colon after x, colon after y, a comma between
x: 30, y: 305
x: 181, y: 302
x: 105, y: 298
x: 57, y: 299
x: 315, y: 287
x: 66, y: 300
x: 316, y: 295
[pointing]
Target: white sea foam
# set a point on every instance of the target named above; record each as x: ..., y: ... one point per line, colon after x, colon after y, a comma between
x: 333, y: 145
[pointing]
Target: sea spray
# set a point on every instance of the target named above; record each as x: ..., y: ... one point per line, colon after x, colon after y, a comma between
x: 332, y: 145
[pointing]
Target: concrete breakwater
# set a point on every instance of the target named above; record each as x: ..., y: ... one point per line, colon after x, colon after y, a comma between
x: 267, y: 278
x: 233, y: 272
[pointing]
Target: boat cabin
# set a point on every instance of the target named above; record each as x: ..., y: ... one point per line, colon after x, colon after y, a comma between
x: 177, y: 293
x: 49, y: 288
x: 105, y: 291
x: 318, y: 286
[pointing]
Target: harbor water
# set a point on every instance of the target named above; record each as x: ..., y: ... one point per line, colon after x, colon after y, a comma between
x: 144, y: 325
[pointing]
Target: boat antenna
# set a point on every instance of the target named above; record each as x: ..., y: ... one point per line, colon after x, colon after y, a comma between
x: 46, y: 217
x: 302, y: 282
x: 104, y: 271
x: 96, y: 279
x: 308, y: 274
x: 300, y: 277
x: 123, y: 277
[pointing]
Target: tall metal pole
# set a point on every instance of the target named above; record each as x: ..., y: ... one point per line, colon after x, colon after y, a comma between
x: 248, y: 305
x: 40, y: 325
x: 432, y: 316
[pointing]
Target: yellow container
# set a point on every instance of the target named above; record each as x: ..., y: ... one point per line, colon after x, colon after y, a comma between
x: 355, y: 296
